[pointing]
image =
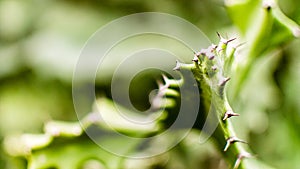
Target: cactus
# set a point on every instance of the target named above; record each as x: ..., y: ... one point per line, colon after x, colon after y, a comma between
x: 213, y: 69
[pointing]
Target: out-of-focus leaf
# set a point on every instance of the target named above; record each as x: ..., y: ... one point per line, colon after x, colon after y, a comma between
x: 262, y: 23
x: 113, y: 116
x: 241, y: 13
x: 74, y: 153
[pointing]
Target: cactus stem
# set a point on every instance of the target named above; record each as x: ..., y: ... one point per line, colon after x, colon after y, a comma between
x: 229, y: 114
x: 232, y: 140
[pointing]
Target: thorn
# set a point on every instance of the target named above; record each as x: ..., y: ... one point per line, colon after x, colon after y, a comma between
x: 213, y: 46
x: 165, y: 78
x: 160, y: 83
x: 230, y: 40
x: 167, y: 82
x: 239, y: 159
x: 224, y: 81
x: 223, y: 40
x: 195, y: 59
x: 177, y: 67
x: 214, y: 68
x: 203, y: 51
x: 211, y: 56
x: 220, y: 50
x: 232, y: 140
x: 219, y: 35
x: 229, y: 114
x: 183, y: 66
x: 296, y: 32
x: 180, y: 66
x: 268, y: 4
x: 170, y: 82
x: 198, y: 53
x: 209, y: 50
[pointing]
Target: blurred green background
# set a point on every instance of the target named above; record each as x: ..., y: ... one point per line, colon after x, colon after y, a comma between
x: 40, y: 42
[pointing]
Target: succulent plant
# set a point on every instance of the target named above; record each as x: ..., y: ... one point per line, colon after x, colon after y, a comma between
x: 213, y: 69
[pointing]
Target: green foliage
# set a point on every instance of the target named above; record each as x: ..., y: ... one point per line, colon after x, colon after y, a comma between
x: 264, y: 27
x: 257, y: 81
